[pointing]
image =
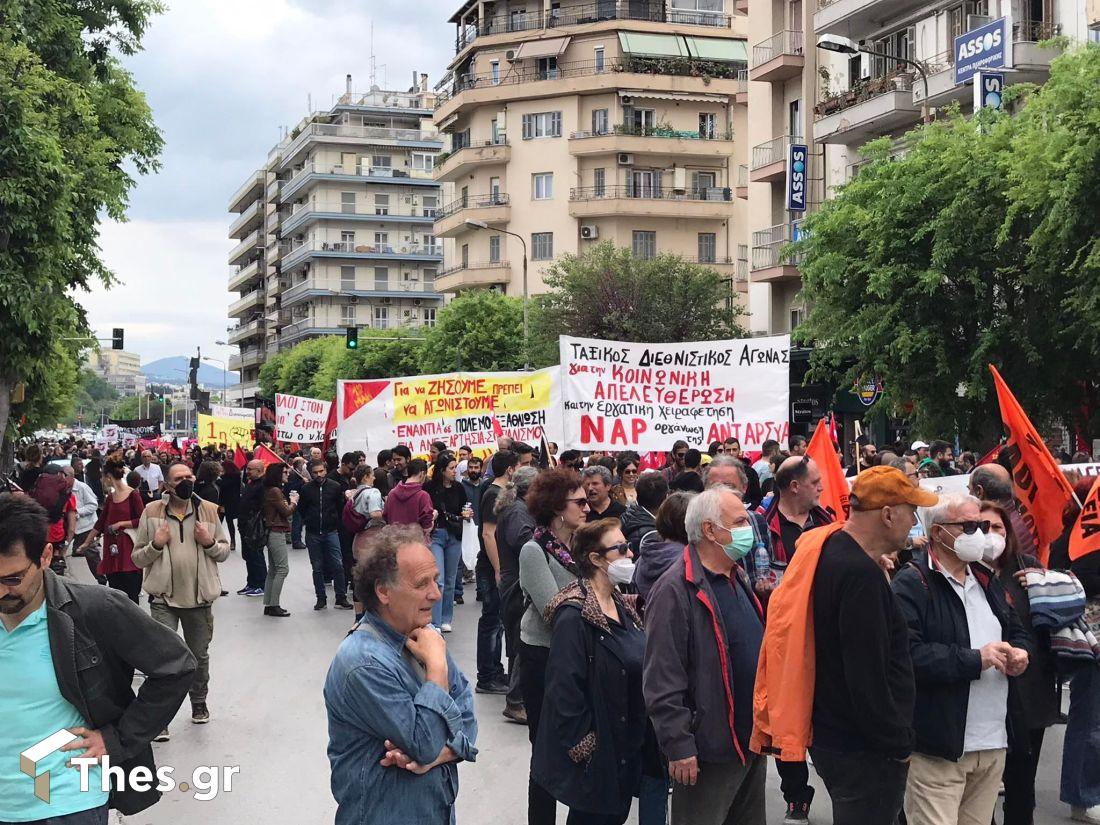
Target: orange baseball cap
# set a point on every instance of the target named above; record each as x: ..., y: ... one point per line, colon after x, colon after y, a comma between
x: 887, y: 486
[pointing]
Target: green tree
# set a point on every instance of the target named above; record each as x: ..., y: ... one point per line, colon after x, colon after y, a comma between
x: 94, y: 397
x: 128, y: 407
x: 478, y: 331
x: 977, y: 246
x: 609, y: 293
x: 73, y: 124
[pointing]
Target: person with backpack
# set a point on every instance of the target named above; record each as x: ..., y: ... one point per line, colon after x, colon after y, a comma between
x: 362, y: 513
x: 277, y: 514
x: 321, y: 504
x: 54, y: 491
x: 253, y: 529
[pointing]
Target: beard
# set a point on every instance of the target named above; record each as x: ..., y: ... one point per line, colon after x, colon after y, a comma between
x: 11, y: 604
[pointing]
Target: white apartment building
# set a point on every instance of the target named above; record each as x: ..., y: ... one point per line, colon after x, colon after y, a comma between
x: 335, y: 230
x: 120, y: 369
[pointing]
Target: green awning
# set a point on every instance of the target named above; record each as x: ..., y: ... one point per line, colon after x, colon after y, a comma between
x: 717, y: 48
x: 653, y: 45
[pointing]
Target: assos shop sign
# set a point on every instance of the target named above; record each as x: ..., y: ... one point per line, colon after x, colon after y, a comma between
x: 984, y: 48
x: 797, y: 175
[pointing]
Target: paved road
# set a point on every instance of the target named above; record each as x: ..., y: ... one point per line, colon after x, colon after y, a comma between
x: 268, y: 717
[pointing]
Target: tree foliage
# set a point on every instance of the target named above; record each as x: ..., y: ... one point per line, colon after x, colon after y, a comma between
x: 478, y: 331
x: 609, y: 293
x: 978, y: 245
x: 72, y: 124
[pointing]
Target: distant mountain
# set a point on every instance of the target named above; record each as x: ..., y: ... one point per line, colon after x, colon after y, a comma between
x: 173, y: 370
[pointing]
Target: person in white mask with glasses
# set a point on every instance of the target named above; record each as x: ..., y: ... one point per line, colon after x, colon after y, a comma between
x: 968, y: 647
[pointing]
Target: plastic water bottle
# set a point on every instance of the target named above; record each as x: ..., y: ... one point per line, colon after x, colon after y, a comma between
x: 762, y: 562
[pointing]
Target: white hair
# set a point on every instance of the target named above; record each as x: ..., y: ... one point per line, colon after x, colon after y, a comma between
x: 727, y: 461
x: 706, y: 506
x: 946, y: 508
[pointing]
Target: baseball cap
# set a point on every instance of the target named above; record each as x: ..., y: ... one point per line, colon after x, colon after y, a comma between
x: 887, y: 486
x: 919, y: 445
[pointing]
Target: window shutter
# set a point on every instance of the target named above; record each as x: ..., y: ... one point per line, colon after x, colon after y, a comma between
x: 556, y: 124
x: 528, y: 126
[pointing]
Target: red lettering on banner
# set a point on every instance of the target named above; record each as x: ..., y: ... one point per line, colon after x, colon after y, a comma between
x: 637, y: 427
x: 592, y: 429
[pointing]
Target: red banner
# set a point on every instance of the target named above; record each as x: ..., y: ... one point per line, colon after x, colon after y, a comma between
x: 265, y: 455
x: 1085, y: 537
x: 822, y: 451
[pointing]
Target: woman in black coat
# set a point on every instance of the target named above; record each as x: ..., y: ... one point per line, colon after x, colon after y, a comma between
x: 588, y: 752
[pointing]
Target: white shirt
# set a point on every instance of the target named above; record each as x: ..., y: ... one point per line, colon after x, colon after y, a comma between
x: 988, y: 705
x: 86, y: 506
x: 763, y: 469
x: 152, y: 476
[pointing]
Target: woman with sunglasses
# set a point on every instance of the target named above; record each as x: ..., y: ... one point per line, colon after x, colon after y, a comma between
x: 557, y: 502
x: 588, y: 753
x: 625, y: 492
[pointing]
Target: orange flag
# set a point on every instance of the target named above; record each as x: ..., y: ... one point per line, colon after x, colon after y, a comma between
x: 834, y: 496
x: 264, y: 454
x: 1085, y: 537
x: 1042, y: 492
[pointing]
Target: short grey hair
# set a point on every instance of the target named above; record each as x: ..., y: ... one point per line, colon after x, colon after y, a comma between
x: 706, y: 506
x: 722, y: 460
x: 597, y: 470
x: 523, y: 478
x: 946, y: 508
x: 378, y: 559
x: 898, y: 462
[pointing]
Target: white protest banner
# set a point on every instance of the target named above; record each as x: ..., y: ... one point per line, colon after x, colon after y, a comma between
x: 645, y: 397
x: 960, y: 483
x: 459, y: 408
x: 300, y: 420
x: 110, y: 433
x: 244, y: 413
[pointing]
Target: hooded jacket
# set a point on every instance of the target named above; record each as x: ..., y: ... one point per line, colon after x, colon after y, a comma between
x: 409, y: 503
x: 637, y: 521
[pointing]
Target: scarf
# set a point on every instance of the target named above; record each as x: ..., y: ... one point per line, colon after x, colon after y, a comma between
x: 550, y: 544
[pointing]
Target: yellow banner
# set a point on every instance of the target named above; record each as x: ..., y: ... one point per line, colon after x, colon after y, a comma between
x: 426, y: 399
x: 232, y: 432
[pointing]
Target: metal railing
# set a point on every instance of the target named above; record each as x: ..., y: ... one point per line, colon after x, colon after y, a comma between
x: 768, y: 246
x: 743, y: 270
x: 1034, y: 31
x: 473, y: 265
x: 590, y: 193
x: 361, y: 169
x: 341, y: 130
x: 474, y: 202
x: 368, y: 209
x: 443, y: 157
x: 782, y: 43
x: 743, y: 82
x: 631, y: 130
x: 770, y: 152
x: 742, y: 175
x: 384, y: 100
x: 350, y: 247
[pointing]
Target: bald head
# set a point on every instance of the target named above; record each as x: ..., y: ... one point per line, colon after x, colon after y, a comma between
x: 991, y: 482
x: 255, y: 469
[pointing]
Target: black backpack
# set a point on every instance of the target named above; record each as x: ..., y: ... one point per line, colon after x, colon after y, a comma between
x: 250, y: 523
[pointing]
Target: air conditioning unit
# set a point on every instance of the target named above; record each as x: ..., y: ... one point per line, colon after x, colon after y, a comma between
x: 510, y: 55
x: 589, y: 232
x: 354, y: 299
x: 976, y: 21
x: 417, y: 302
x: 385, y: 300
x: 626, y: 100
x: 626, y: 159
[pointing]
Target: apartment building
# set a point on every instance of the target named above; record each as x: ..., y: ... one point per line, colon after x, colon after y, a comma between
x: 120, y: 369
x: 835, y: 103
x: 335, y: 229
x: 573, y: 123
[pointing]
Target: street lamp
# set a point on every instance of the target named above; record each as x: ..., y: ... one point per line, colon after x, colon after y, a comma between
x: 224, y: 371
x: 475, y: 224
x: 844, y: 45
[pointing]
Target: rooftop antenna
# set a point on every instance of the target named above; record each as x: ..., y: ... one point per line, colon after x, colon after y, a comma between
x: 374, y: 62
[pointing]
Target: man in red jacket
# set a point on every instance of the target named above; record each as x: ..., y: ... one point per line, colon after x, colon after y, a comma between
x: 409, y: 503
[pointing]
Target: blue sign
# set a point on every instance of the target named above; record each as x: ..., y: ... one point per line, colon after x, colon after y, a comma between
x: 988, y: 90
x: 984, y: 48
x: 798, y: 172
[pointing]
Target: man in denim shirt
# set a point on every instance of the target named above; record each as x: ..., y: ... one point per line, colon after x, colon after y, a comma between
x: 400, y: 712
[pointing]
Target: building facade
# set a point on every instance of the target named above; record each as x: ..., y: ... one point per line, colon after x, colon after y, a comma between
x: 120, y: 369
x: 335, y: 230
x: 573, y: 123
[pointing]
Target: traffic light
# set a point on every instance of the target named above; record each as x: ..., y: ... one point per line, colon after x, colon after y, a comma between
x: 352, y: 337
x: 116, y: 338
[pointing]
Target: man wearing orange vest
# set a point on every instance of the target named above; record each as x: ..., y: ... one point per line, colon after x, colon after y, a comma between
x: 835, y: 670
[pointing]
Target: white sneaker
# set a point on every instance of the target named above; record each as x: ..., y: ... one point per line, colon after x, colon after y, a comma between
x: 1086, y: 814
x: 446, y: 628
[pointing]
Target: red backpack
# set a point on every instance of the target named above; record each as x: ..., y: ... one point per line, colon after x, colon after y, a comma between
x: 51, y: 490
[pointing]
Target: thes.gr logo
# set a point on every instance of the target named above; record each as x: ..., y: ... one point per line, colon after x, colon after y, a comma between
x: 29, y: 759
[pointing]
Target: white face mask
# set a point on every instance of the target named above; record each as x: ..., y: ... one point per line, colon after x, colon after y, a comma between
x: 621, y: 571
x: 970, y: 548
x: 994, y: 546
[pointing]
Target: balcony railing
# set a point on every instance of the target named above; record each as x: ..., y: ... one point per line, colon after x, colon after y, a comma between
x: 772, y: 151
x: 743, y: 82
x: 384, y: 100
x: 768, y: 246
x: 474, y: 202
x: 865, y: 89
x: 742, y: 175
x: 340, y: 130
x: 473, y: 265
x: 590, y: 193
x: 785, y: 42
x: 365, y: 170
x: 653, y: 131
x: 1034, y: 31
x: 341, y: 287
x: 352, y: 247
x: 398, y: 210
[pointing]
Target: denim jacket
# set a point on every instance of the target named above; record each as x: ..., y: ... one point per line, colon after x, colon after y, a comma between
x: 375, y: 691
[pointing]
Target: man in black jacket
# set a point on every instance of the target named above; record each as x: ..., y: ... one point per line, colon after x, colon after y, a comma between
x: 321, y: 504
x: 250, y: 524
x: 70, y: 651
x: 640, y: 517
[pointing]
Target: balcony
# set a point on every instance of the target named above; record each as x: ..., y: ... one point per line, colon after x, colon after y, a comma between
x: 874, y: 108
x: 239, y: 393
x: 778, y: 58
x: 464, y: 160
x: 240, y: 251
x: 307, y: 327
x: 415, y: 103
x: 255, y: 298
x: 313, y: 288
x: 712, y: 203
x: 248, y: 357
x: 770, y: 262
x: 858, y: 18
x: 492, y: 208
x: 653, y: 141
x: 251, y: 218
x: 307, y: 214
x: 243, y: 332
x: 769, y: 160
x: 245, y: 275
x: 249, y: 191
x: 742, y: 190
x: 478, y: 274
x: 341, y: 134
x: 741, y: 96
x: 360, y: 251
x: 360, y: 173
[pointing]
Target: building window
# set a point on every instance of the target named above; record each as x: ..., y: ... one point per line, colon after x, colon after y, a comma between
x: 702, y: 183
x: 465, y: 255
x: 644, y: 120
x: 381, y: 204
x: 494, y: 249
x: 1094, y: 33
x: 794, y: 118
x: 381, y: 160
x: 347, y: 203
x: 599, y: 122
x: 599, y: 176
x: 542, y: 246
x: 708, y: 125
x: 381, y: 317
x: 429, y: 317
x: 347, y: 278
x: 347, y: 241
x: 494, y: 189
x: 431, y: 206
x: 494, y: 130
x: 548, y: 68
x: 542, y: 186
x: 541, y: 125
x: 494, y: 71
x: 382, y: 242
x: 428, y: 276
x: 644, y: 244
x: 423, y: 162
x: 707, y: 245
x: 427, y: 241
x: 347, y: 315
x: 599, y: 58
x: 381, y: 277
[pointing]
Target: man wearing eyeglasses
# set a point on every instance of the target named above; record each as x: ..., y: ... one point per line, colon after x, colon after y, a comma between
x: 68, y: 653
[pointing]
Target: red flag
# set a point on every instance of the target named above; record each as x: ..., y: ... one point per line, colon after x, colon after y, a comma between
x: 652, y: 461
x: 264, y: 454
x: 1085, y: 537
x: 989, y: 457
x: 834, y: 496
x: 330, y: 427
x: 1042, y: 492
x: 498, y: 431
x: 239, y: 458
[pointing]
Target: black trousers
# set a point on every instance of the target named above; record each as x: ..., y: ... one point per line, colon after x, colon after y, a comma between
x: 794, y: 782
x: 541, y: 806
x: 128, y: 583
x: 866, y: 788
x: 1019, y: 779
x: 584, y: 818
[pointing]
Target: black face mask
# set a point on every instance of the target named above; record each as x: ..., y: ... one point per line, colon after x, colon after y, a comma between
x: 185, y: 489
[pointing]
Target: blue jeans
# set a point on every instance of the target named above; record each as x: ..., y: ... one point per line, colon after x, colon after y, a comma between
x: 92, y: 816
x: 490, y: 631
x: 1081, y: 751
x: 255, y: 565
x: 653, y: 801
x: 296, y: 527
x: 324, y: 557
x: 448, y: 551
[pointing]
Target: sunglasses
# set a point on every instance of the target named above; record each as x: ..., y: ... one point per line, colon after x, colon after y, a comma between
x: 16, y: 579
x: 630, y: 471
x: 680, y: 455
x: 622, y: 548
x: 580, y: 502
x: 969, y: 527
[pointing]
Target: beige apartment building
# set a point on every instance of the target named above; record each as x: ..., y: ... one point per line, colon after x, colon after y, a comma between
x: 835, y: 103
x: 574, y: 123
x: 120, y: 369
x: 335, y: 230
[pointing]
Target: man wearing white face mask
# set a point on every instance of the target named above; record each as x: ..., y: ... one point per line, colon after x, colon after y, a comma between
x: 967, y: 645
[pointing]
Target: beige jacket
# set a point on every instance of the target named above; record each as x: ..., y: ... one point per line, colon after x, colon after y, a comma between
x: 181, y: 573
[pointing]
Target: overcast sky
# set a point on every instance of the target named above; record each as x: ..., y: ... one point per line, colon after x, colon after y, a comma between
x: 223, y: 77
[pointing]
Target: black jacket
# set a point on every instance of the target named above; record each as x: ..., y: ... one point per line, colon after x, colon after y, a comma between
x: 637, y: 521
x: 944, y: 664
x: 98, y: 637
x: 321, y: 505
